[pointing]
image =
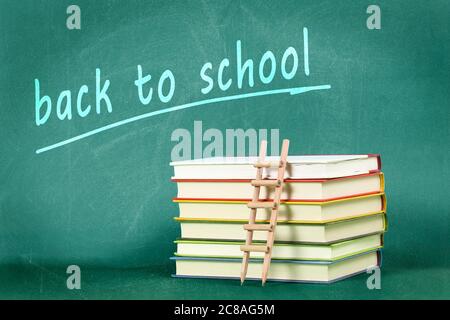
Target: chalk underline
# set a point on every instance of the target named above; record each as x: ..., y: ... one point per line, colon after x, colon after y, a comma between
x: 292, y: 91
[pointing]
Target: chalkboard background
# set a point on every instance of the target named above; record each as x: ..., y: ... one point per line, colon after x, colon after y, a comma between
x: 104, y: 202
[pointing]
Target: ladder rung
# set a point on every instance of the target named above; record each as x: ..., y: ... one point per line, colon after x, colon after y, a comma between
x: 268, y: 164
x: 266, y: 183
x: 255, y: 248
x: 265, y: 204
x: 258, y: 227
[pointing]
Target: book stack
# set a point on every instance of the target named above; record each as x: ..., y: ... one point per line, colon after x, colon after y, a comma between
x: 330, y: 223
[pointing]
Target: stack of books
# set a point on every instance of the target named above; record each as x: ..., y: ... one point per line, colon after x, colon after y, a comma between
x: 330, y: 224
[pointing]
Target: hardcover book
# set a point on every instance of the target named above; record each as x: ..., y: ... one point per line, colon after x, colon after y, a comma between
x: 298, y: 167
x: 281, y: 250
x: 280, y: 270
x: 285, y: 231
x: 300, y: 189
x: 289, y: 210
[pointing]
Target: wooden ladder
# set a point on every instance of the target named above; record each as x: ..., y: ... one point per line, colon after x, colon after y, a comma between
x: 256, y: 203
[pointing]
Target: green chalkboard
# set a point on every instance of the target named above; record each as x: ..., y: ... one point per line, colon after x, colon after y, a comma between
x: 95, y: 190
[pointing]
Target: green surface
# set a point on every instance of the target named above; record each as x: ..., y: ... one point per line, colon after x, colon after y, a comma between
x: 104, y: 202
x: 153, y: 282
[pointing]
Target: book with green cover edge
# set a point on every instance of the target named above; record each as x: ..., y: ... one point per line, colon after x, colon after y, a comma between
x: 187, y: 220
x: 285, y: 259
x: 379, y: 264
x: 231, y: 242
x: 276, y: 260
x: 281, y: 243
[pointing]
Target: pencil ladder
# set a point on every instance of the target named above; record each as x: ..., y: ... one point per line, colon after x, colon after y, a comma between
x: 256, y: 204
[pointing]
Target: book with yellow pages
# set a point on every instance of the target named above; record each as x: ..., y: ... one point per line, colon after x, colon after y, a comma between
x: 298, y: 167
x: 280, y: 270
x: 301, y: 189
x: 290, y: 231
x: 290, y: 210
x: 281, y: 250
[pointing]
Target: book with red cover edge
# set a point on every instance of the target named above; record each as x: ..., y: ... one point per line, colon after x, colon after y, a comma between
x: 288, y: 180
x: 222, y: 200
